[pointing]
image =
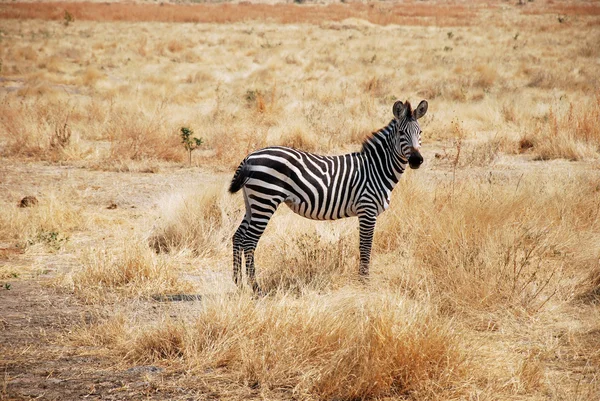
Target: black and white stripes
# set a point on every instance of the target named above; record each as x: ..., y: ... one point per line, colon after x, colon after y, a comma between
x: 325, y: 187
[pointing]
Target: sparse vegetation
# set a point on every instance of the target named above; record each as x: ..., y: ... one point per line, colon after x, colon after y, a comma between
x: 190, y: 143
x: 48, y: 223
x: 485, y: 279
x: 68, y: 18
x: 132, y: 271
x: 52, y: 239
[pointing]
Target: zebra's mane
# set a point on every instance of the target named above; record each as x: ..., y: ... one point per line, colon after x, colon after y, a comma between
x: 385, y: 131
x: 380, y: 135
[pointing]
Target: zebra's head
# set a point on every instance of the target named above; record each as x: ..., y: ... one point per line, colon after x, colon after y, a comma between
x: 408, y: 132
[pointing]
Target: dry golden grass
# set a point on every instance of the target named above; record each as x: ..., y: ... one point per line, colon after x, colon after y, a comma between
x: 136, y: 89
x: 495, y: 244
x: 347, y: 345
x: 484, y: 280
x: 129, y: 270
x: 572, y: 134
x: 200, y: 224
x: 49, y: 223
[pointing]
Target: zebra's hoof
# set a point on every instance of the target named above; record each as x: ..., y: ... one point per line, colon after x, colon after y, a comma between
x: 258, y: 292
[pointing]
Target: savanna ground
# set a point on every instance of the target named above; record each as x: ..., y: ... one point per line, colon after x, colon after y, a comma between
x: 485, y: 275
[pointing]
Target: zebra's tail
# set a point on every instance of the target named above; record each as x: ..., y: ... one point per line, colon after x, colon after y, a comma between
x: 239, y: 178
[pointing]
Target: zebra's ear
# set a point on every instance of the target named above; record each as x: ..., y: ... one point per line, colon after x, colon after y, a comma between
x: 399, y: 110
x: 421, y: 109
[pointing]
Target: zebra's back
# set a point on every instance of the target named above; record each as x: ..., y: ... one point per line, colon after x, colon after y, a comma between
x: 314, y: 186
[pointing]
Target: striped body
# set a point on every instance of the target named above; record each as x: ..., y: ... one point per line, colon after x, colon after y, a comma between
x: 325, y: 187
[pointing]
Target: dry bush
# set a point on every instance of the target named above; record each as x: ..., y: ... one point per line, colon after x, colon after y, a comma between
x: 572, y: 134
x: 201, y: 223
x: 49, y: 223
x: 305, y: 260
x: 91, y: 75
x: 348, y: 345
x: 491, y: 244
x: 136, y: 136
x: 110, y: 332
x: 299, y: 137
x: 39, y: 128
x: 130, y: 270
x: 486, y: 76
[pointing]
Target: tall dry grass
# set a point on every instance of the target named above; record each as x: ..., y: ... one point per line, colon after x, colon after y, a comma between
x: 297, y: 256
x: 489, y: 245
x: 570, y: 132
x: 128, y: 270
x: 494, y: 243
x: 138, y: 136
x: 347, y: 345
x: 200, y: 223
x: 504, y: 246
x: 135, y: 93
x: 39, y: 129
x: 48, y: 224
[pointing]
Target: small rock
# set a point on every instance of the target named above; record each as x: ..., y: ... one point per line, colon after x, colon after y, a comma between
x: 144, y: 369
x: 112, y: 206
x: 28, y: 201
x: 140, y: 385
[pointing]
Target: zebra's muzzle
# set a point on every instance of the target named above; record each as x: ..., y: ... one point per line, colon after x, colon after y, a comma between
x: 415, y: 160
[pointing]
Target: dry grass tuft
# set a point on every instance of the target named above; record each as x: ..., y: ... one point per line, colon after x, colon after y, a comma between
x: 589, y: 288
x: 348, y: 345
x: 131, y: 270
x: 49, y: 223
x: 306, y: 260
x: 201, y: 223
x: 299, y: 138
x: 572, y: 134
x: 490, y: 245
x: 137, y: 136
x: 486, y: 76
x: 39, y: 129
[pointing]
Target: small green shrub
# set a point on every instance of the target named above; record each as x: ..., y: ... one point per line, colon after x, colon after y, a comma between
x: 190, y: 142
x: 68, y: 18
x: 52, y: 239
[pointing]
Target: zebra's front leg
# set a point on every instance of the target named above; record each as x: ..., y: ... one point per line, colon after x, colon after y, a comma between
x: 366, y: 225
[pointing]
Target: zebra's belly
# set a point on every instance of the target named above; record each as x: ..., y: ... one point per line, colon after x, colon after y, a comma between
x: 304, y: 210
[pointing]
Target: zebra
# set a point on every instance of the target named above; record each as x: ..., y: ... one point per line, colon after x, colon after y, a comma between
x: 325, y: 187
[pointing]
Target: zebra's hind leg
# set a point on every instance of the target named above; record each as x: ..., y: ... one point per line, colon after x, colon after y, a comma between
x: 261, y: 212
x: 238, y: 240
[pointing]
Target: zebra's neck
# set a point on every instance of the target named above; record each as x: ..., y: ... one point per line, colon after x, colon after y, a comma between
x: 382, y: 154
